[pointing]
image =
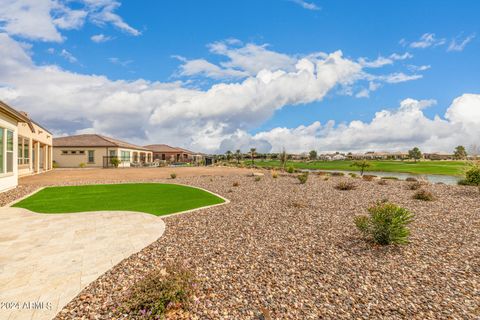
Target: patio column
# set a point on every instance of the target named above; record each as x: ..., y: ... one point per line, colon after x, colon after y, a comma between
x: 46, y: 157
x: 37, y: 157
x: 50, y: 159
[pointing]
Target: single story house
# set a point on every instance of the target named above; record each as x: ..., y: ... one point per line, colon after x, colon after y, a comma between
x: 25, y: 147
x: 94, y: 150
x: 167, y: 153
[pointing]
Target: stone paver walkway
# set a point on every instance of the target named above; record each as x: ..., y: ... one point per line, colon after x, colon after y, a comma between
x: 47, y: 259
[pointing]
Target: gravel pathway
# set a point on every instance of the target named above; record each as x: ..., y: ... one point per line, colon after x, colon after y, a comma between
x: 292, y: 251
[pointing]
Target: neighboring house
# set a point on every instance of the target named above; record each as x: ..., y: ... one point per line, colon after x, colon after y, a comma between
x: 94, y: 150
x: 173, y: 154
x: 439, y: 156
x: 25, y: 147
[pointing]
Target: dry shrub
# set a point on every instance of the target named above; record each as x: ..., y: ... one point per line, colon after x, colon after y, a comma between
x: 424, y: 195
x: 236, y: 184
x: 173, y: 175
x: 258, y: 178
x: 345, y: 185
x: 274, y: 175
x: 411, y: 179
x: 337, y: 174
x: 382, y: 182
x: 368, y: 177
x: 302, y: 178
x: 159, y: 293
x: 414, y: 185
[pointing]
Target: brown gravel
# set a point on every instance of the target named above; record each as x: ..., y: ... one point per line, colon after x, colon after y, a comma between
x: 292, y: 251
x: 16, y: 193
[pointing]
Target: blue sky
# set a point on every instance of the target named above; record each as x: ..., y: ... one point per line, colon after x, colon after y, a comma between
x: 157, y: 38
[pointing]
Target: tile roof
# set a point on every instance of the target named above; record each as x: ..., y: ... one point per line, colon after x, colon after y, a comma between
x: 167, y: 148
x: 93, y: 140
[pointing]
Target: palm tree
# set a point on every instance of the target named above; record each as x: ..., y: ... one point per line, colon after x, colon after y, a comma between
x: 252, y: 155
x: 238, y: 155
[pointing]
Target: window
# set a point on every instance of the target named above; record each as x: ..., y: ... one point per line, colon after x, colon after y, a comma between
x: 64, y: 152
x: 125, y: 155
x: 23, y: 150
x: 113, y: 153
x: 81, y: 151
x: 91, y: 156
x: 9, y: 151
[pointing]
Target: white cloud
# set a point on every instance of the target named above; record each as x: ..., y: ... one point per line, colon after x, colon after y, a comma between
x: 383, y: 61
x: 44, y: 19
x: 419, y: 68
x: 398, y: 77
x: 123, y: 63
x: 306, y: 5
x: 458, y: 44
x: 427, y: 40
x: 68, y: 56
x: 204, y: 68
x: 395, y: 130
x: 100, y: 38
x: 396, y: 56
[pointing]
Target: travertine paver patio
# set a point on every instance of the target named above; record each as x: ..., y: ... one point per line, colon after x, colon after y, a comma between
x: 50, y: 258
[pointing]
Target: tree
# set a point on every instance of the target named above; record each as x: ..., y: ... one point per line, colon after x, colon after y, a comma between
x: 252, y: 155
x: 283, y: 159
x: 362, y: 165
x: 415, y: 154
x: 228, y: 154
x: 313, y: 155
x: 460, y: 152
x: 238, y: 155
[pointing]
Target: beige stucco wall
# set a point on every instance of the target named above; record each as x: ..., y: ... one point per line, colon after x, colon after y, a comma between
x: 40, y: 142
x: 74, y: 160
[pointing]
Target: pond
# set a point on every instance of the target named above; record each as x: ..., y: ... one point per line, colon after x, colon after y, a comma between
x: 433, y: 178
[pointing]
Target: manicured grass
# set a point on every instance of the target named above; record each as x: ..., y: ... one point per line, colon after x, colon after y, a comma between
x: 155, y: 198
x: 421, y: 167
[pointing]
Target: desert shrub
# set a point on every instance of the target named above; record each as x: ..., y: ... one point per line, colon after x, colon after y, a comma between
x: 414, y: 185
x: 472, y: 176
x: 236, y: 184
x: 326, y: 178
x: 322, y: 173
x: 302, y: 178
x: 274, y: 175
x: 411, y: 179
x: 368, y: 177
x: 290, y: 169
x: 115, y: 162
x: 82, y: 165
x: 337, y: 174
x: 345, y: 185
x: 385, y: 224
x: 159, y: 292
x: 173, y: 175
x: 353, y: 175
x: 54, y: 164
x: 382, y: 182
x: 424, y: 195
x: 390, y: 178
x: 258, y: 178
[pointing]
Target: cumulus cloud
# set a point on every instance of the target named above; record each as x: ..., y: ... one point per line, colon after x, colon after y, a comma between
x: 396, y: 130
x: 44, y: 19
x: 383, y: 61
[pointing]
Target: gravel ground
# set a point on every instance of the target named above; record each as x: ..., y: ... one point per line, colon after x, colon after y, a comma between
x: 292, y: 251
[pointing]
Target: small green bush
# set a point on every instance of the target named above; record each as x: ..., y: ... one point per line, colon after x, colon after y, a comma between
x: 173, y: 175
x: 386, y: 224
x: 258, y: 178
x: 54, y: 164
x: 472, y: 176
x: 274, y: 174
x: 423, y: 195
x: 290, y: 169
x: 337, y: 174
x: 115, y: 162
x: 82, y: 165
x: 302, y: 178
x: 159, y: 292
x: 353, y: 175
x: 345, y: 185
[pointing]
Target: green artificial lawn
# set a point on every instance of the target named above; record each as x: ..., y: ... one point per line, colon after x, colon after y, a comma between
x: 453, y: 168
x: 155, y: 198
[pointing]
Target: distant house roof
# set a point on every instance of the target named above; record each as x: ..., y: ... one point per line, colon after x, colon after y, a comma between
x: 166, y: 148
x: 93, y: 140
